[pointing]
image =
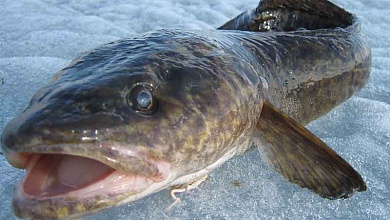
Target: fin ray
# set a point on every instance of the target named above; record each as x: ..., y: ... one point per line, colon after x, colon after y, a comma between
x: 303, y: 158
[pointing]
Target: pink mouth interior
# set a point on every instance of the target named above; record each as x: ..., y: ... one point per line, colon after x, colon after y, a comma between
x: 57, y: 174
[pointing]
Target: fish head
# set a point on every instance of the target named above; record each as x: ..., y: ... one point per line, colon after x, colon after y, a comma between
x: 127, y: 119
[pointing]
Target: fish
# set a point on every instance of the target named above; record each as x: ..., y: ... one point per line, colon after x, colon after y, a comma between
x: 164, y: 109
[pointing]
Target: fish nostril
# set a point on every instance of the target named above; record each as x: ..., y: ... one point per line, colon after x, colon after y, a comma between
x: 8, y: 140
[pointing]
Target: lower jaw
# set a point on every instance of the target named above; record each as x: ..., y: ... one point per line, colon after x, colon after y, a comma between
x: 115, y: 189
x: 26, y: 206
x: 110, y: 191
x: 30, y: 202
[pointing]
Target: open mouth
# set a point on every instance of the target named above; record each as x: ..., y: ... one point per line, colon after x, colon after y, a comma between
x: 52, y: 175
x: 61, y: 180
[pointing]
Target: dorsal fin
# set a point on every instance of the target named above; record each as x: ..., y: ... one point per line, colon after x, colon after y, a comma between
x: 290, y: 15
x: 303, y: 158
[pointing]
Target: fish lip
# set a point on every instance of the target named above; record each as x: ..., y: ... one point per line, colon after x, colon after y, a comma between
x: 66, y: 204
x: 114, y: 155
x: 75, y: 203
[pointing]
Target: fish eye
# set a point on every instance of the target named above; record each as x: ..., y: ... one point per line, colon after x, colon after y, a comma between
x: 142, y: 100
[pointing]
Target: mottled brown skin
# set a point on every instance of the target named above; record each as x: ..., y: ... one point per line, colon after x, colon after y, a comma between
x: 322, y: 60
x: 209, y: 87
x: 204, y: 104
x: 205, y: 108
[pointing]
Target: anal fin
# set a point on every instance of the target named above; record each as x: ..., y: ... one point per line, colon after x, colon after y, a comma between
x: 303, y: 158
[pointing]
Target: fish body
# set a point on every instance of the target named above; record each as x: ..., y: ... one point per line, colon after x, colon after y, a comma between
x: 140, y: 115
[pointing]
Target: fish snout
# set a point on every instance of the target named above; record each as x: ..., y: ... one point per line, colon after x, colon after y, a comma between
x: 40, y: 131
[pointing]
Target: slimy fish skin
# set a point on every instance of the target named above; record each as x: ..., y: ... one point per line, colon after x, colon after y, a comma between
x: 162, y: 110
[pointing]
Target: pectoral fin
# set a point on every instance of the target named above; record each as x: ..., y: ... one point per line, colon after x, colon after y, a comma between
x: 303, y: 158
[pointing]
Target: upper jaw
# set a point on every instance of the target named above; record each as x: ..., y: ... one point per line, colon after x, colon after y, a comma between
x: 21, y: 138
x: 136, y: 160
